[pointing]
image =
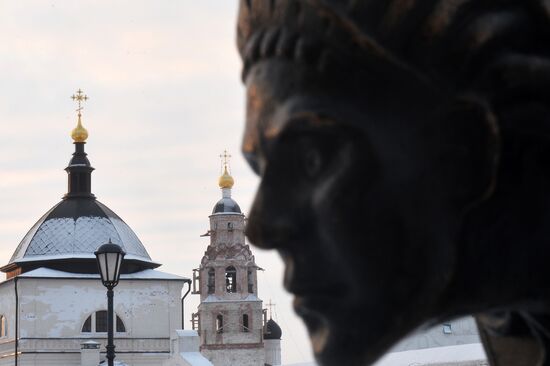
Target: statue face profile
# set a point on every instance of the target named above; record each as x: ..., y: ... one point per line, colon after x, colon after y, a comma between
x: 378, y: 160
x: 358, y: 207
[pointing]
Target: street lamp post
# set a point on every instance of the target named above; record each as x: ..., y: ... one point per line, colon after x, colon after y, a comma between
x: 109, y: 260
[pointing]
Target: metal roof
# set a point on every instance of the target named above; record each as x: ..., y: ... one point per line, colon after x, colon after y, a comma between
x: 226, y: 205
x: 76, y: 227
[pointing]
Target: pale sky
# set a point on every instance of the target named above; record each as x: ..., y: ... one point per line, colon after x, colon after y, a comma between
x: 163, y: 78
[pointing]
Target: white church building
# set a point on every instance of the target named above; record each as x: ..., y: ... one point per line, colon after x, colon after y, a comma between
x: 53, y: 304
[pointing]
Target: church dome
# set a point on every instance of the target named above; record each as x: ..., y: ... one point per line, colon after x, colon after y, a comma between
x: 67, y: 236
x: 226, y: 205
x: 272, y: 330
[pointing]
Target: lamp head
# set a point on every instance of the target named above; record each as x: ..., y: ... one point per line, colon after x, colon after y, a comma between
x: 109, y: 260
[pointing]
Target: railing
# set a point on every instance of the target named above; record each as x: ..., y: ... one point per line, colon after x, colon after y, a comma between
x: 157, y: 345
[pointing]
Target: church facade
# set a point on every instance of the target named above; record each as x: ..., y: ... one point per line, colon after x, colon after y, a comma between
x: 53, y: 304
x: 50, y: 315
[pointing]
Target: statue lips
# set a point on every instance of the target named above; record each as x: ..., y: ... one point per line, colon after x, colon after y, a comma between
x: 313, y: 319
x: 313, y: 291
x: 319, y: 312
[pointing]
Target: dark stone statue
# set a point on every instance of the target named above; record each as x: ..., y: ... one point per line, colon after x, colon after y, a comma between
x: 404, y: 152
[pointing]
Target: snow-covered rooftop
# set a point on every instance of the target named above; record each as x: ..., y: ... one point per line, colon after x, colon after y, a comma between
x: 147, y: 274
x: 436, y: 355
x: 195, y: 359
x: 70, y: 256
x: 117, y: 363
x: 451, y: 355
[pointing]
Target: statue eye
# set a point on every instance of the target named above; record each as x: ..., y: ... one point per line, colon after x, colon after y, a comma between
x: 305, y: 150
x: 312, y: 161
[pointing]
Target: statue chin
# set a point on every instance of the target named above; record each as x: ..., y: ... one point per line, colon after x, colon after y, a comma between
x: 333, y: 345
x: 343, y: 333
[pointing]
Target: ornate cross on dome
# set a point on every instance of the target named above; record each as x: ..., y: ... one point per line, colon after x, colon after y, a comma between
x: 270, y: 305
x: 79, y: 97
x: 225, y: 159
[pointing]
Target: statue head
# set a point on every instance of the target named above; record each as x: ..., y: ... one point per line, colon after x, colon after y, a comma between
x: 377, y: 128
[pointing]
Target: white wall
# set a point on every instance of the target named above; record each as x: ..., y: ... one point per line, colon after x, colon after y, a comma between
x: 53, y: 308
x: 7, y: 308
x: 52, y: 312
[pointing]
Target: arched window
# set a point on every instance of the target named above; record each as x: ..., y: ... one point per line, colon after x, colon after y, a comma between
x: 119, y: 326
x: 3, y: 328
x: 211, y: 281
x: 229, y: 226
x: 219, y: 323
x: 231, y: 279
x: 245, y: 322
x: 250, y: 281
x: 97, y: 323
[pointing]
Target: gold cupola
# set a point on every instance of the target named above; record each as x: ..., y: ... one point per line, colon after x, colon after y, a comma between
x: 79, y: 133
x: 226, y: 180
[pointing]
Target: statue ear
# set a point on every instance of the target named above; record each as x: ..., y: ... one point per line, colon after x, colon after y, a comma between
x: 471, y: 147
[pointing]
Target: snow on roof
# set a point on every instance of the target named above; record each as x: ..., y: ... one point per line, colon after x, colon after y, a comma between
x: 147, y: 274
x: 187, y: 333
x: 195, y: 359
x: 449, y: 355
x: 213, y: 298
x: 436, y: 355
x: 37, y: 258
x: 78, y: 226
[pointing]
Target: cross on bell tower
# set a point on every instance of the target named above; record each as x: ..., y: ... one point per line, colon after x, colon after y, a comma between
x: 225, y: 157
x: 270, y: 305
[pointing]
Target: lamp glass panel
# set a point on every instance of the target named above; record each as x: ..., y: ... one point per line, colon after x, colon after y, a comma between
x: 112, y: 264
x: 102, y: 264
x: 120, y: 256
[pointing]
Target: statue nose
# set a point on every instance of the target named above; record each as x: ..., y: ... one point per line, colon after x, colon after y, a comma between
x: 267, y: 227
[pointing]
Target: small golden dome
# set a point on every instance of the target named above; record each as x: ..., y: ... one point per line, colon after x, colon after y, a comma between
x: 226, y: 180
x: 79, y: 133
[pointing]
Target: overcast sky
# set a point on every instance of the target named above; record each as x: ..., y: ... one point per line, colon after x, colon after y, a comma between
x: 166, y: 99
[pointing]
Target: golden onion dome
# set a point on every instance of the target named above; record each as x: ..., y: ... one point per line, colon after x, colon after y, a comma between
x: 79, y: 133
x: 226, y: 180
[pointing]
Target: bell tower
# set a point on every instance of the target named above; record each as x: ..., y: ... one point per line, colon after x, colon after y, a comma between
x: 229, y: 317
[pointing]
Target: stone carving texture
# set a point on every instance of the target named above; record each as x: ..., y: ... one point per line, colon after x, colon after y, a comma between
x: 223, y: 251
